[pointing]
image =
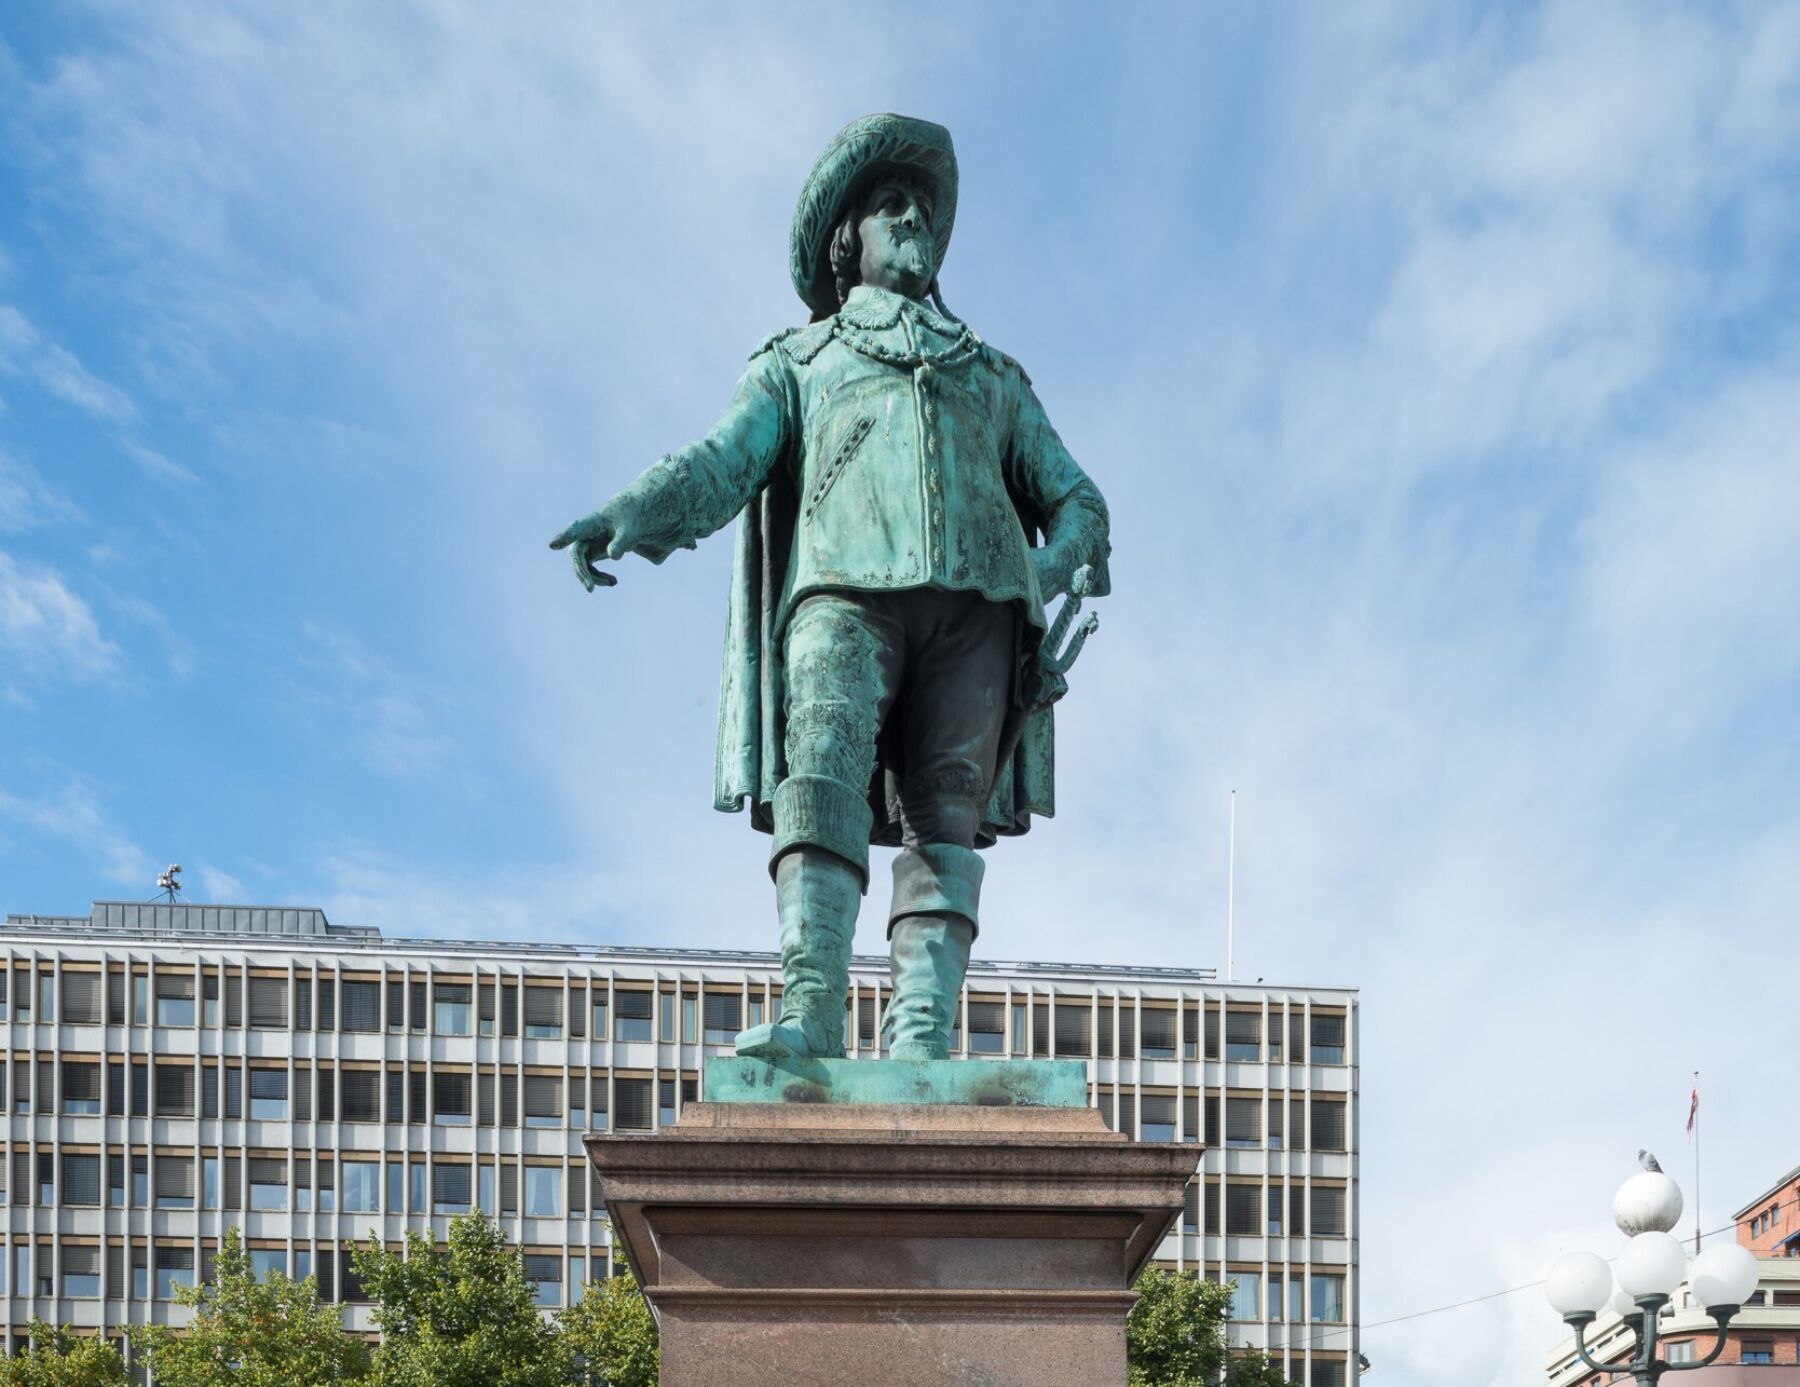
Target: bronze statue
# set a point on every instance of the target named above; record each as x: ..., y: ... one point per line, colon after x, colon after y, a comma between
x: 906, y: 511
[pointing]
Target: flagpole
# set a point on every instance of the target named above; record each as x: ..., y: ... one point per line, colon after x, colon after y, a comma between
x: 1696, y: 1162
x: 1231, y: 890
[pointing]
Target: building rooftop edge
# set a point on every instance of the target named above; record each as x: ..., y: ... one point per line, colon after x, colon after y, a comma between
x: 360, y: 937
x: 1785, y: 1180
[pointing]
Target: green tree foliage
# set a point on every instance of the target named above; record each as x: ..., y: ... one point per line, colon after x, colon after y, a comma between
x: 58, y: 1358
x: 464, y: 1318
x: 1176, y: 1336
x: 1254, y: 1369
x: 251, y: 1333
x: 609, y: 1337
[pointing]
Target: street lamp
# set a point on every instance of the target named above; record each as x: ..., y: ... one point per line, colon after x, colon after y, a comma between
x: 1649, y: 1269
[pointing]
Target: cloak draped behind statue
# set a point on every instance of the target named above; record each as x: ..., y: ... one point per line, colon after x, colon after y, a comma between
x: 752, y: 721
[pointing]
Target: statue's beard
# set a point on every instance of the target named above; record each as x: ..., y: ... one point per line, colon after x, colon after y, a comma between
x: 910, y: 255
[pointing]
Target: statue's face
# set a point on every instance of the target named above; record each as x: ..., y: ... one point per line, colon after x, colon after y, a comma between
x: 897, y: 250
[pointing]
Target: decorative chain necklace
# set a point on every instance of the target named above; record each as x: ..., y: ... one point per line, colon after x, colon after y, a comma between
x: 959, y: 351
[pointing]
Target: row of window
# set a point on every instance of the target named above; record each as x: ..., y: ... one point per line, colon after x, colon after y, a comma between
x: 156, y: 1272
x: 1769, y: 1218
x: 1292, y: 1298
x: 460, y: 1096
x: 443, y: 1096
x: 328, y: 1003
x: 1297, y: 1213
x: 275, y: 1181
x: 1284, y: 1124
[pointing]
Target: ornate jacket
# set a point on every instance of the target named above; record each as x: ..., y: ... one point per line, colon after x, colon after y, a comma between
x: 920, y: 457
x: 884, y: 448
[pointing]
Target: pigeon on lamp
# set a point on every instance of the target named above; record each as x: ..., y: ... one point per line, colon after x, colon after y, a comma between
x: 1648, y: 1161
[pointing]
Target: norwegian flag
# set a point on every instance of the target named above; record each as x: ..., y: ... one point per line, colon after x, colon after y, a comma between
x: 1693, y: 1111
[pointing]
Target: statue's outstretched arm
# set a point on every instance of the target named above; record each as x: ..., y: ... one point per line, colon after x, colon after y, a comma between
x: 1076, y: 524
x: 696, y: 490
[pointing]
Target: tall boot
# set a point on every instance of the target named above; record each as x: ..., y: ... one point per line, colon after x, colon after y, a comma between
x: 816, y: 894
x: 937, y: 892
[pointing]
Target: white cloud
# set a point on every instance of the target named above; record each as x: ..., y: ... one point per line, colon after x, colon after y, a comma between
x: 219, y: 887
x: 354, y: 689
x: 26, y: 499
x: 74, y: 815
x: 57, y: 370
x: 46, y: 630
x: 156, y: 464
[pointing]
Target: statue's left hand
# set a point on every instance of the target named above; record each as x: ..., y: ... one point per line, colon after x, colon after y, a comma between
x: 598, y: 536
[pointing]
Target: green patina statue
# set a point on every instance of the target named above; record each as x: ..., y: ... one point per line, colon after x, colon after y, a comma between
x: 905, y: 510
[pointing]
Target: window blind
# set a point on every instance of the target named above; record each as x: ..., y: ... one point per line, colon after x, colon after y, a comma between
x: 80, y: 1259
x: 362, y: 1006
x: 234, y: 1000
x: 450, y: 1184
x: 509, y: 1100
x: 1327, y: 1126
x: 543, y: 1095
x: 454, y: 1094
x: 81, y: 999
x: 1327, y: 1211
x: 544, y: 1006
x: 1072, y: 1028
x: 987, y: 1018
x: 174, y: 1090
x: 81, y: 1180
x: 174, y: 1177
x: 268, y: 1083
x: 1243, y: 1028
x: 1243, y: 1121
x: 1159, y: 1109
x: 268, y: 1170
x: 81, y: 1081
x: 632, y: 1104
x: 485, y: 1091
x: 1243, y: 1210
x: 724, y: 1012
x: 1158, y: 1029
x: 509, y: 1187
x: 268, y: 1003
x: 362, y: 1095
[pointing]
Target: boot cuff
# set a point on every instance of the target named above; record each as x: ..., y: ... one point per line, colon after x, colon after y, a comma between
x: 813, y: 811
x: 937, y: 879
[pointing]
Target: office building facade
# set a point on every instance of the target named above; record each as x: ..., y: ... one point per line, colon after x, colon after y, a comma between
x: 175, y: 1070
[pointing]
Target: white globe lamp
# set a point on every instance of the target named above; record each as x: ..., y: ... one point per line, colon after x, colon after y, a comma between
x: 1623, y: 1304
x: 1722, y: 1276
x: 1651, y: 1265
x: 1579, y: 1284
x: 1649, y: 1202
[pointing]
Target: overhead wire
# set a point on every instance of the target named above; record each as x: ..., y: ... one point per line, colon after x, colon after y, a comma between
x: 1338, y: 1331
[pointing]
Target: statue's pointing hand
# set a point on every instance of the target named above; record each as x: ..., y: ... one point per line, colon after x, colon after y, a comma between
x: 598, y: 536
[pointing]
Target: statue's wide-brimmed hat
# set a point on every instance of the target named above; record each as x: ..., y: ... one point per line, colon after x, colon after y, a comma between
x: 878, y: 142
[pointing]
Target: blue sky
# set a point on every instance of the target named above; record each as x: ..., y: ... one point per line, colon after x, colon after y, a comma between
x: 1438, y: 362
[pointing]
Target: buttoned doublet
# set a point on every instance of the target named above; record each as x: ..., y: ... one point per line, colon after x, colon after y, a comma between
x: 911, y: 445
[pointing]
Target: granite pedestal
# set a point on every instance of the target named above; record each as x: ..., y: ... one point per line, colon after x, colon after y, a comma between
x: 818, y: 1241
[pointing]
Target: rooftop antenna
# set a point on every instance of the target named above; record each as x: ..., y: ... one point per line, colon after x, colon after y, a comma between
x: 168, y: 884
x: 1231, y: 891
